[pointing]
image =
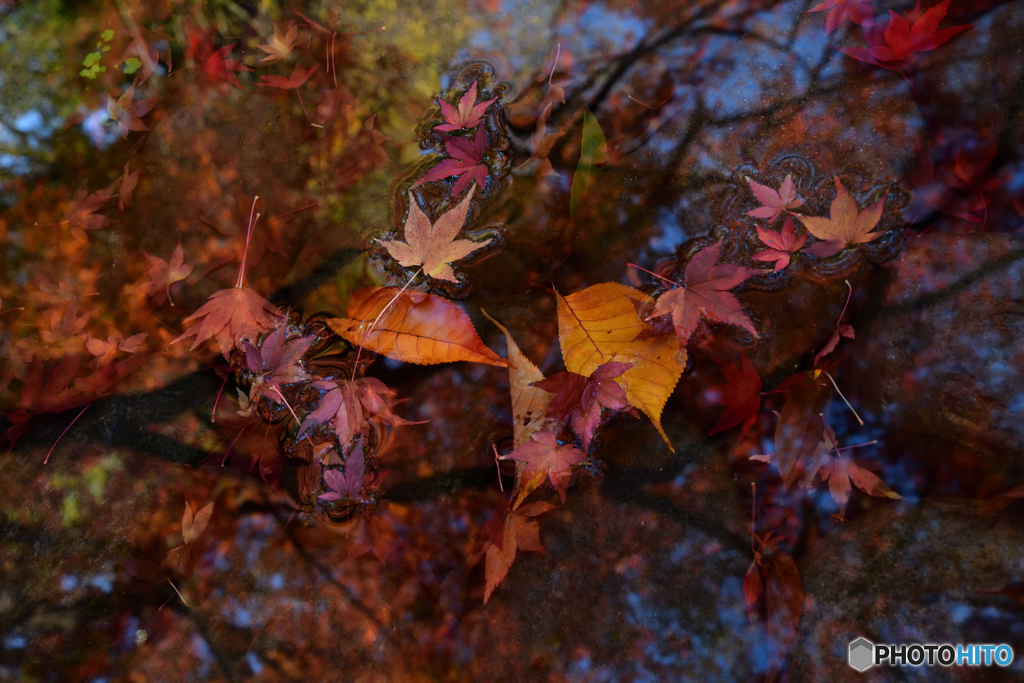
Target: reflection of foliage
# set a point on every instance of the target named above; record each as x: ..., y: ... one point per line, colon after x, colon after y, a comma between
x: 691, y: 125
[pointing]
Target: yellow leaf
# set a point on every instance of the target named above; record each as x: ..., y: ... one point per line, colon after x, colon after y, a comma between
x: 600, y: 324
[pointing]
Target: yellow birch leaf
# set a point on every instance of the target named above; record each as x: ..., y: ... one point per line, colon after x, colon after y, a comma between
x: 600, y: 324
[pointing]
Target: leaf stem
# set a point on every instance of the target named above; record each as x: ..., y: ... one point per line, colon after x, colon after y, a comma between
x: 650, y: 272
x: 287, y: 405
x: 844, y: 398
x: 172, y: 584
x: 47, y: 459
x: 248, y: 236
x: 369, y: 330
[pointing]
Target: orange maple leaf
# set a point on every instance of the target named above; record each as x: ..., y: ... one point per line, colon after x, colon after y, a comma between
x: 433, y: 245
x: 229, y: 315
x: 418, y: 328
x: 845, y: 226
x: 519, y: 532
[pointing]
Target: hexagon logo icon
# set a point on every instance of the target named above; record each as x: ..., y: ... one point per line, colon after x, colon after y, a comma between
x: 862, y: 654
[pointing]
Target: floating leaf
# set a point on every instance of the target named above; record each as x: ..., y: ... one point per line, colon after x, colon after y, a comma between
x: 418, y: 328
x: 601, y: 324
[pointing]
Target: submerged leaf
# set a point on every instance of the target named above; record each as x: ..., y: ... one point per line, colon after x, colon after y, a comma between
x: 593, y: 151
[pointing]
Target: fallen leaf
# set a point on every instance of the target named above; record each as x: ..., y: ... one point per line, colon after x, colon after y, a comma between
x: 127, y: 186
x: 601, y: 324
x: 545, y: 459
x: 433, y: 245
x: 519, y: 532
x: 774, y: 203
x: 163, y: 274
x: 800, y: 427
x: 126, y: 114
x: 192, y: 527
x: 82, y: 210
x: 892, y: 46
x: 347, y: 482
x: 845, y: 226
x: 839, y: 471
x: 706, y: 292
x: 346, y: 405
x: 593, y: 151
x: 229, y: 315
x: 466, y: 162
x: 468, y: 114
x: 857, y: 11
x: 741, y: 396
x: 784, y: 595
x: 419, y: 328
x: 529, y: 402
x: 282, y: 43
x: 275, y: 362
x: 114, y: 343
x: 297, y: 78
x: 219, y: 69
x: 781, y: 245
x: 830, y: 346
x: 582, y: 399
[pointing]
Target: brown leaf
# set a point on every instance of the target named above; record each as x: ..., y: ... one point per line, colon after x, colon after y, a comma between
x: 418, y: 328
x: 128, y: 183
x: 529, y: 403
x: 845, y: 226
x: 520, y: 532
x: 193, y: 527
x: 800, y: 428
x: 434, y: 246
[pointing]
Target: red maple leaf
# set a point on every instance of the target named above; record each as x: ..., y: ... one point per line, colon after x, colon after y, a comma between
x: 780, y: 244
x: 774, y: 203
x: 582, y: 398
x: 466, y: 162
x: 275, y: 362
x: 467, y: 115
x: 346, y: 483
x: 741, y: 396
x: 229, y: 315
x: 163, y: 274
x: 295, y: 80
x: 213, y: 61
x: 857, y: 11
x: 893, y: 45
x: 347, y: 405
x: 705, y: 292
x: 546, y: 459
